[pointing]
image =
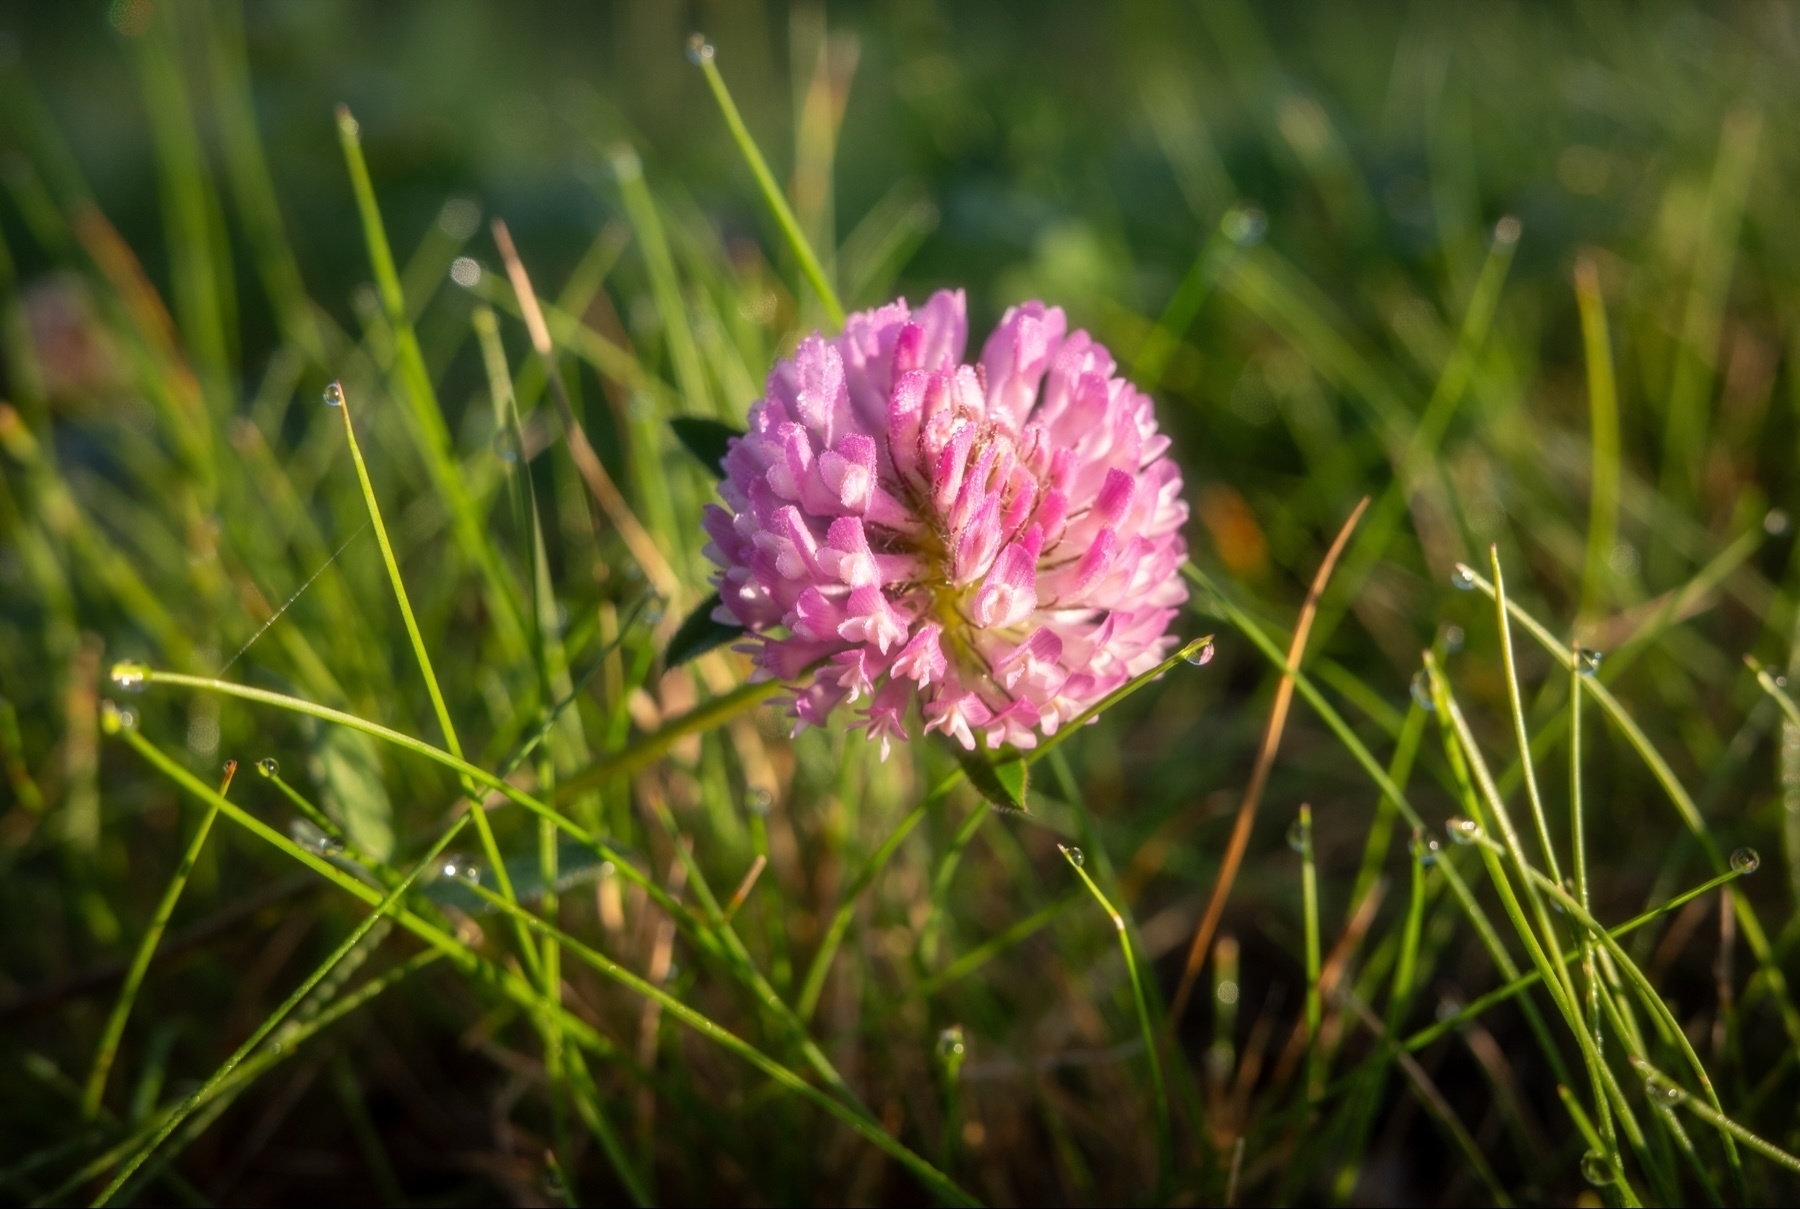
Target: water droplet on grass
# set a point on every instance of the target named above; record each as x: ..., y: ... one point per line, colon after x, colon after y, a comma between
x: 1746, y: 860
x: 1075, y: 855
x: 1200, y: 653
x: 950, y: 1043
x: 334, y: 395
x: 1775, y: 522
x: 114, y: 719
x: 1661, y: 1091
x: 1597, y: 1169
x: 1462, y: 579
x: 1421, y: 691
x: 1425, y: 848
x: 759, y: 801
x: 699, y: 50
x: 130, y: 677
x: 1245, y: 226
x: 465, y: 271
x: 1297, y: 836
x: 1453, y: 638
x: 1587, y: 660
x: 1463, y: 831
x: 462, y: 868
x: 268, y: 766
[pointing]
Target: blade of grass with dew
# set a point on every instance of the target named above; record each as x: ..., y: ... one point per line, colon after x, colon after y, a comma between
x: 431, y: 432
x: 702, y: 54
x: 1164, y: 1136
x: 1578, y: 858
x: 114, y: 1029
x: 490, y: 849
x: 1597, y: 1147
x: 1724, y: 1124
x: 1748, y: 920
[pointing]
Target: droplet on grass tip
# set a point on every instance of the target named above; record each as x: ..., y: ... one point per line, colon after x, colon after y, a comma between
x: 459, y: 218
x: 1454, y: 638
x: 1076, y: 858
x: 1507, y: 230
x: 1425, y: 848
x: 1746, y: 860
x: 950, y: 1043
x: 1462, y: 579
x: 1200, y: 652
x: 465, y: 271
x: 268, y: 766
x: 758, y: 800
x: 130, y: 677
x: 461, y: 868
x: 1227, y: 992
x: 1297, y: 835
x: 113, y: 719
x: 1587, y: 660
x: 1463, y: 831
x: 1597, y: 1169
x: 334, y: 395
x: 1245, y: 226
x: 699, y: 50
x: 1775, y: 522
x: 1421, y: 691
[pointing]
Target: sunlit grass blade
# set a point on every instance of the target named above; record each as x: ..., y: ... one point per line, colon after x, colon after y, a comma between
x: 114, y: 1029
x: 336, y: 396
x: 1603, y: 426
x: 701, y: 52
x: 1661, y: 1087
x: 431, y: 431
x: 1164, y: 1139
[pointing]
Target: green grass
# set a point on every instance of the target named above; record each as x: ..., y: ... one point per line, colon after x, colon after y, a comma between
x: 517, y: 912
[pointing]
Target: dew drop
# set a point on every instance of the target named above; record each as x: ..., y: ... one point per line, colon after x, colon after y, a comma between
x: 1597, y: 1169
x: 1462, y: 579
x: 699, y: 50
x: 1245, y: 226
x: 1746, y: 860
x: 1448, y: 1008
x: 950, y: 1043
x: 334, y: 395
x: 1775, y: 522
x: 124, y: 719
x: 1463, y: 831
x: 268, y: 766
x: 1662, y: 1091
x: 110, y: 720
x: 1075, y: 855
x: 462, y: 868
x: 1454, y: 638
x: 465, y: 271
x: 1587, y: 660
x: 1297, y: 837
x: 1506, y: 231
x: 130, y: 677
x: 1200, y: 653
x: 1425, y: 848
x: 1421, y: 691
x: 759, y: 801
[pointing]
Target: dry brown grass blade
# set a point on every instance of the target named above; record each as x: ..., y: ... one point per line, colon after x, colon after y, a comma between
x: 1259, y: 776
x: 587, y: 463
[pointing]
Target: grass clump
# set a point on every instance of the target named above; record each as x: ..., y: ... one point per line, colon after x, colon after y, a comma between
x: 536, y: 899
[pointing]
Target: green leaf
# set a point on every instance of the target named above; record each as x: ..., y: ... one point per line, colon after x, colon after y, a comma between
x: 699, y: 634
x: 706, y: 439
x: 1000, y: 777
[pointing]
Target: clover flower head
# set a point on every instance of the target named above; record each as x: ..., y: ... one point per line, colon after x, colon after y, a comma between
x: 1000, y: 542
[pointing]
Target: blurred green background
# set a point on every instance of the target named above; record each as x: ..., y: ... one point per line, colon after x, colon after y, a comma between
x: 1277, y: 215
